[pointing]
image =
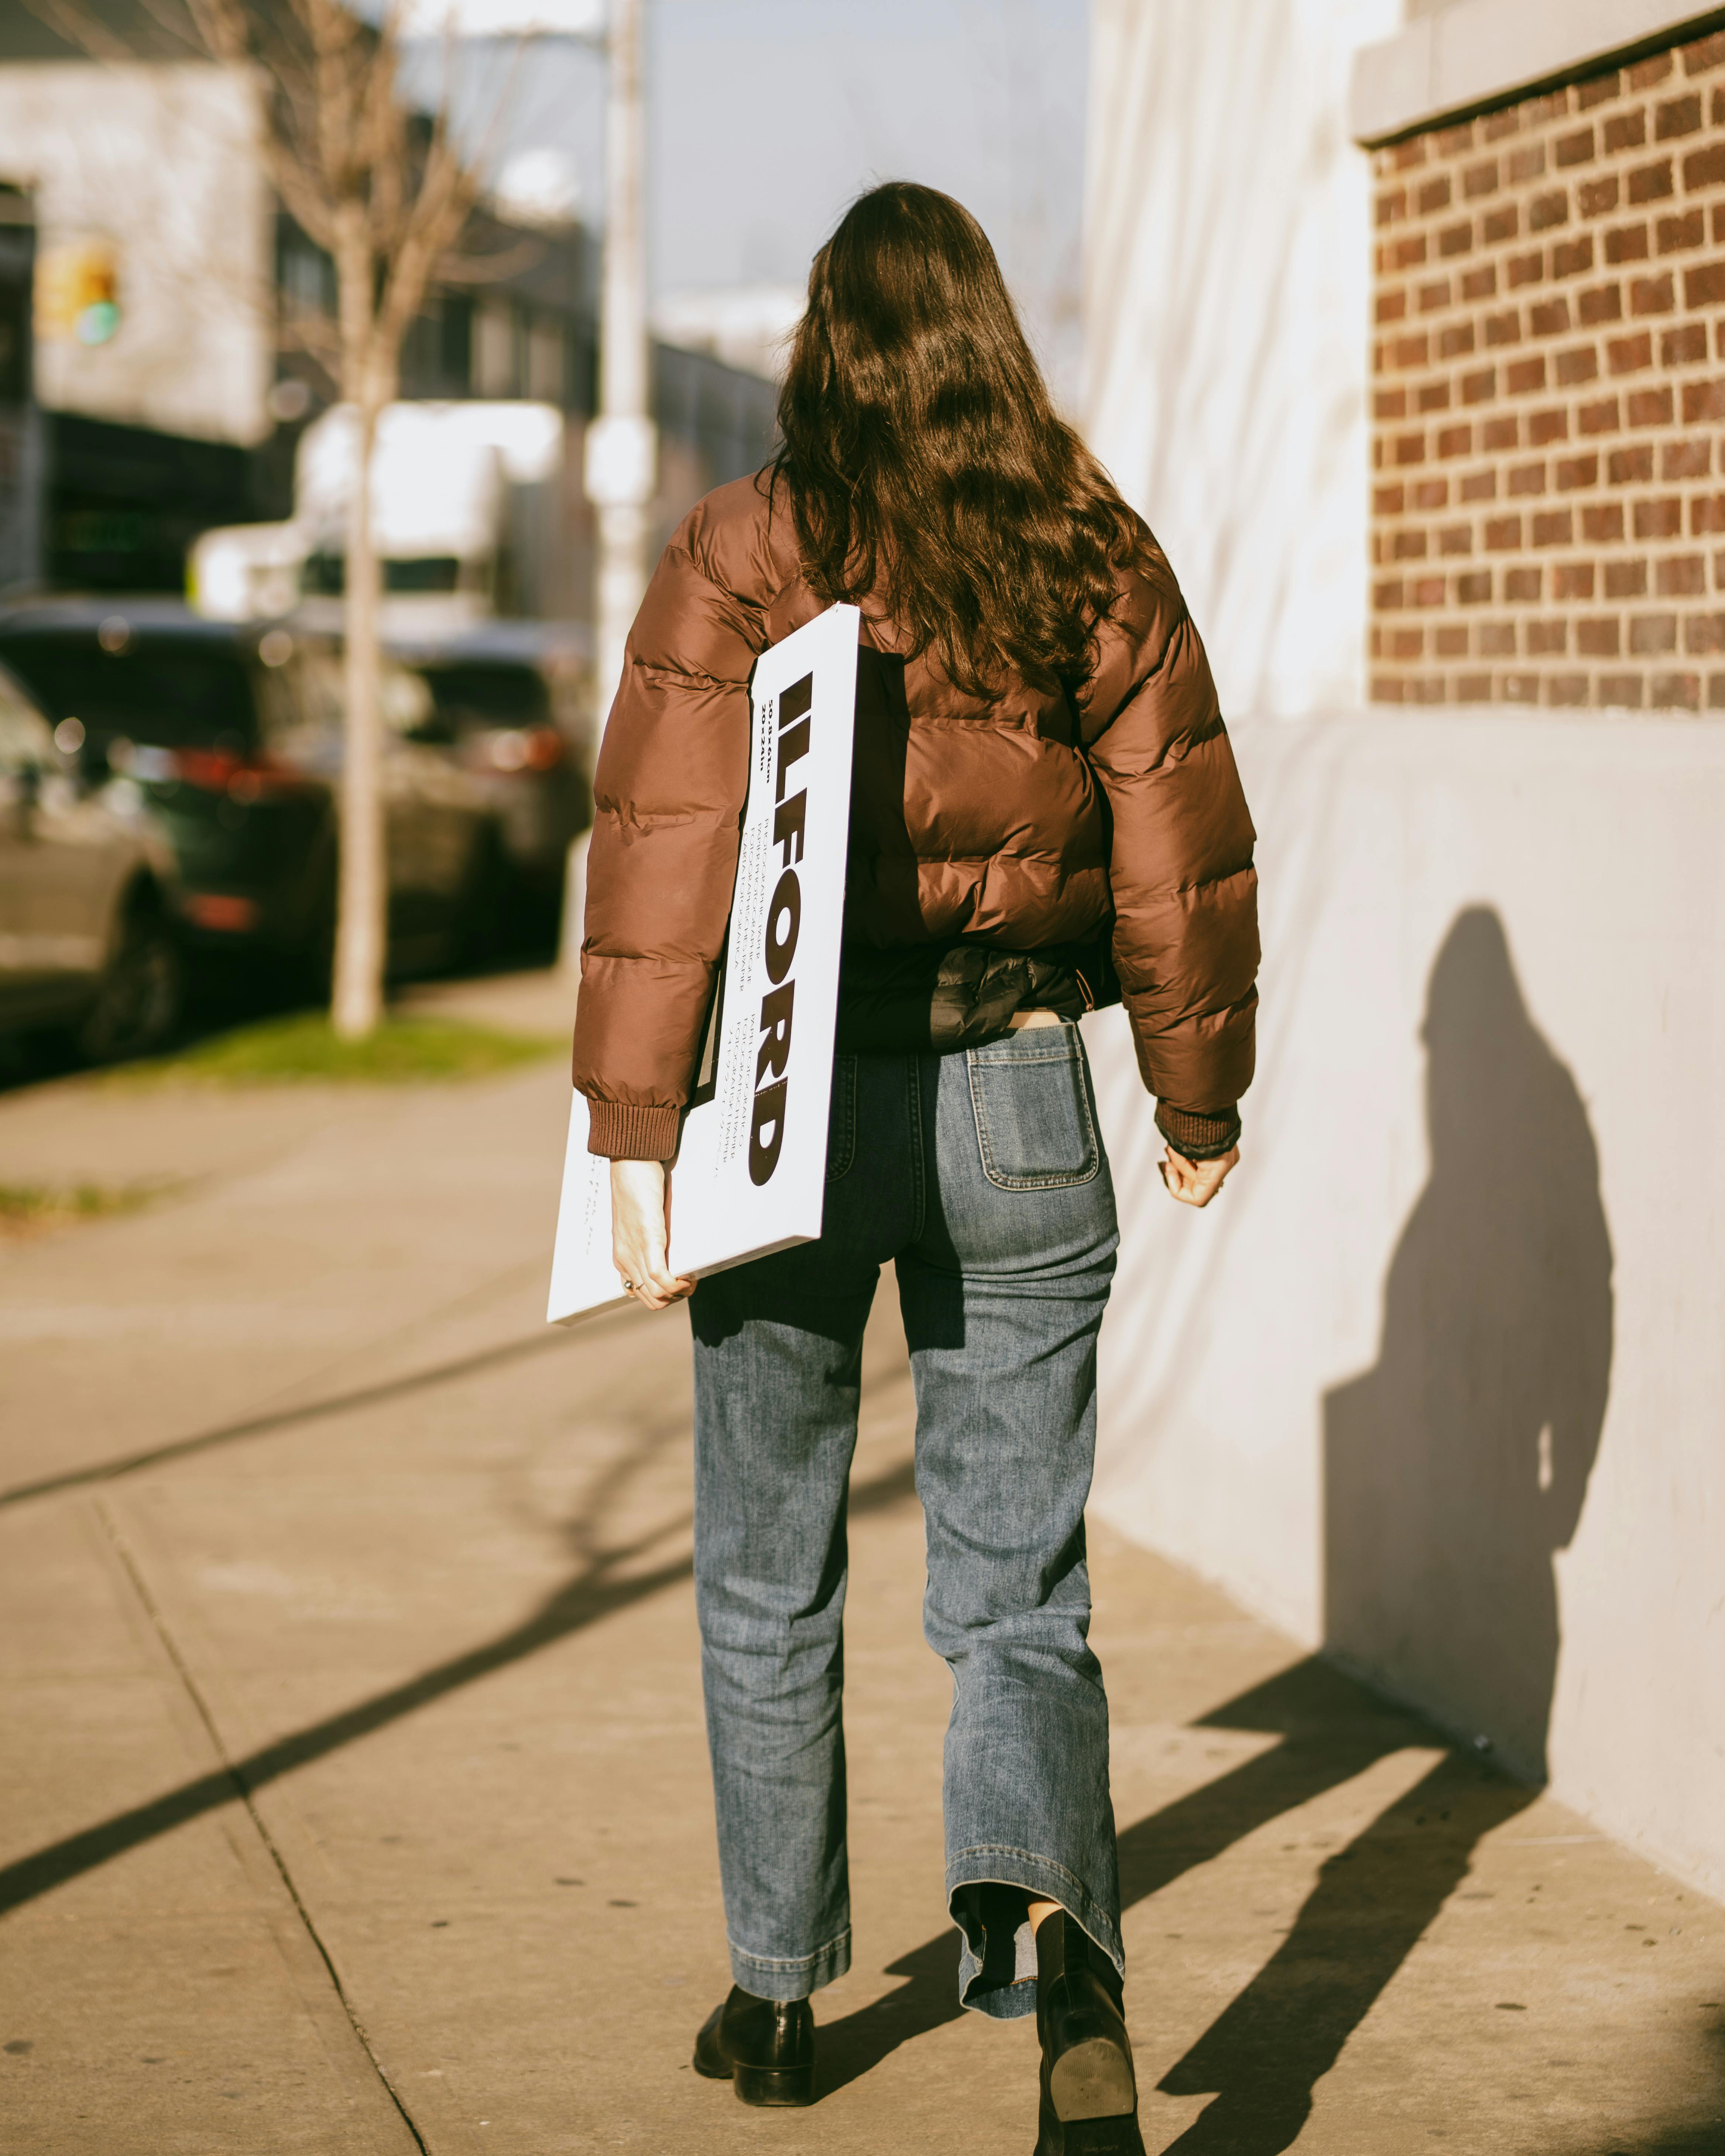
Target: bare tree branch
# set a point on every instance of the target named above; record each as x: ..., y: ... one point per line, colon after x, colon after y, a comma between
x: 317, y: 336
x: 464, y: 269
x: 79, y: 27
x: 171, y: 22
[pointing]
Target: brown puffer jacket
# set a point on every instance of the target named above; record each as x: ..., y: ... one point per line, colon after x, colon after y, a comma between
x: 1022, y: 824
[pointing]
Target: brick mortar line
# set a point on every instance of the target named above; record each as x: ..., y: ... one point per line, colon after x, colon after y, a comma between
x: 1392, y: 374
x: 1406, y: 278
x: 1611, y: 220
x: 1579, y: 337
x: 1576, y: 335
x: 1571, y: 341
x: 1391, y: 225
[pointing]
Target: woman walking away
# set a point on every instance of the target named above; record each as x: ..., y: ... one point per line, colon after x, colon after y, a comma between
x: 1045, y: 816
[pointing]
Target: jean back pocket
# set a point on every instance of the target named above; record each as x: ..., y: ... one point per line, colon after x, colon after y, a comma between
x: 1035, y: 1127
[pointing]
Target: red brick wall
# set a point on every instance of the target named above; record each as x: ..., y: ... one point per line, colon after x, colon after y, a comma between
x: 1548, y: 490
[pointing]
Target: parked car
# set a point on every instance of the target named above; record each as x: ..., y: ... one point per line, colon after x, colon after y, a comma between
x: 511, y: 704
x: 87, y: 899
x: 232, y: 734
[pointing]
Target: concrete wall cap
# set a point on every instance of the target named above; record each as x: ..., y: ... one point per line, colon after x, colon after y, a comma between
x: 1480, y: 52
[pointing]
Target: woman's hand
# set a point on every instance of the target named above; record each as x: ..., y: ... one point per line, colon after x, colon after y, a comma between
x: 640, y: 1229
x: 1196, y: 1181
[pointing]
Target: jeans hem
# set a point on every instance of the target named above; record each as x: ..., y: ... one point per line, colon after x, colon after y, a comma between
x: 1045, y: 1880
x: 792, y: 1977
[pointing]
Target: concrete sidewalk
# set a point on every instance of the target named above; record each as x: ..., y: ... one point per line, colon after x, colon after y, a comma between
x: 353, y: 1792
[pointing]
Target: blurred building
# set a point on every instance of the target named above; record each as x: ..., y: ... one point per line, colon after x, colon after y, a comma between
x: 152, y: 340
x: 1406, y: 330
x: 176, y: 363
x: 748, y: 326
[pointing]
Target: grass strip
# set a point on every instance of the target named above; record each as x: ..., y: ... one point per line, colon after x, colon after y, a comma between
x: 303, y: 1048
x: 28, y: 1207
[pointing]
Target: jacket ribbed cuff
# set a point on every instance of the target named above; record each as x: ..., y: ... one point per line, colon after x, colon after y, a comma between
x: 1198, y: 1137
x: 620, y: 1130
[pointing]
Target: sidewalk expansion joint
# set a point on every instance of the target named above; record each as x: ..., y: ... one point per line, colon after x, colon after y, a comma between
x: 243, y: 1791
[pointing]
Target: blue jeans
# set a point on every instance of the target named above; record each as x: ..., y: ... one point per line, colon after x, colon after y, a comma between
x: 982, y: 1175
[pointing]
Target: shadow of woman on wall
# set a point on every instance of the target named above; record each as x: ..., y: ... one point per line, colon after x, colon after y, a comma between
x: 1454, y: 1470
x: 1457, y: 1467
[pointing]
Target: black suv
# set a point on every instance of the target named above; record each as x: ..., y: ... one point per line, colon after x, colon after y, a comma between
x: 232, y: 733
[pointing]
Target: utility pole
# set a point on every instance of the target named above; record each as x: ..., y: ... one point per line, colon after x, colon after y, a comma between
x: 622, y: 452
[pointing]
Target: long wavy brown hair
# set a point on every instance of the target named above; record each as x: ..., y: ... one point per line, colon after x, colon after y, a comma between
x: 928, y: 472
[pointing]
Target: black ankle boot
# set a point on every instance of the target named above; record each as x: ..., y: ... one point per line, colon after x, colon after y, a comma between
x: 764, y: 2047
x: 1090, y: 2097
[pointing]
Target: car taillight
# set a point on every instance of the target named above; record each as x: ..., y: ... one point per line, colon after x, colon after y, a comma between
x: 244, y: 779
x: 223, y: 911
x: 517, y: 748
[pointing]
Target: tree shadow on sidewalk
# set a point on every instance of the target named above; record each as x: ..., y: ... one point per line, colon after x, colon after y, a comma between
x: 613, y: 1577
x: 275, y: 1421
x: 1373, y: 1900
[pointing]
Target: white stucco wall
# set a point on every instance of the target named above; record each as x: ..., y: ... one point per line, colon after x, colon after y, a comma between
x: 158, y: 164
x: 1439, y: 1381
x: 1227, y: 257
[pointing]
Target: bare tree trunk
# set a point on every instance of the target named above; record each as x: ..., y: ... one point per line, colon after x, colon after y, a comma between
x: 363, y: 895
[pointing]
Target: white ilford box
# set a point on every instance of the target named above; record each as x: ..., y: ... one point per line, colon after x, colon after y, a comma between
x: 750, y: 1174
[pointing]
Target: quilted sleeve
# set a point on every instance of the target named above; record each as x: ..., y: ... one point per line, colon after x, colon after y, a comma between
x: 668, y: 800
x: 1185, y: 888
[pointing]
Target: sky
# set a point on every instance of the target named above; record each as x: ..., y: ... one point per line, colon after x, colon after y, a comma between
x: 765, y: 117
